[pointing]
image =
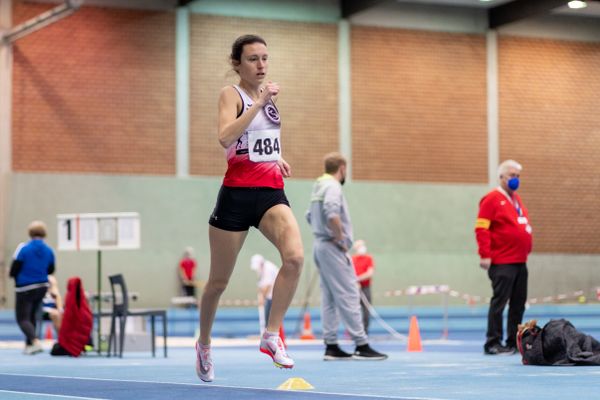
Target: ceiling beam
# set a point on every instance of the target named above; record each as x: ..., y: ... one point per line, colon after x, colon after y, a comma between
x: 183, y: 3
x: 44, y: 19
x: 350, y: 7
x: 520, y: 9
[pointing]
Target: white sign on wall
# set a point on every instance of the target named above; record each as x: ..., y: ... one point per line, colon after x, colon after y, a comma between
x: 99, y: 231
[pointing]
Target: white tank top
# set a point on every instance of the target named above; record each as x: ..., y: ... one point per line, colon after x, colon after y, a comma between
x: 252, y: 159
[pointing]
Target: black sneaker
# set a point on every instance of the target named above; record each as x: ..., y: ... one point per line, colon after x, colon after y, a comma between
x: 499, y: 350
x: 365, y: 352
x: 334, y: 353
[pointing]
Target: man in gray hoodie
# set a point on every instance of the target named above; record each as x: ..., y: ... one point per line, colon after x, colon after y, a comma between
x: 329, y: 219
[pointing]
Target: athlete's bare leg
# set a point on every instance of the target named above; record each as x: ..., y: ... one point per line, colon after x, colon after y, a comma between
x: 280, y: 226
x: 224, y: 249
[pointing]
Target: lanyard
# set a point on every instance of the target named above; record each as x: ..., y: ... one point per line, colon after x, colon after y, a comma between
x: 515, y: 204
x: 518, y: 208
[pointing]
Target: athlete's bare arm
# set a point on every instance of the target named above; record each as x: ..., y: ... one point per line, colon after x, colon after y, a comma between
x: 230, y: 104
x: 285, y: 168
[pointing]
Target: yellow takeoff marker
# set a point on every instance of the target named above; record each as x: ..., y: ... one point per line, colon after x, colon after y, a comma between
x: 295, y: 384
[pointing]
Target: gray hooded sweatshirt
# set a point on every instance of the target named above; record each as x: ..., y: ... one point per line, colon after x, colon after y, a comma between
x: 327, y: 200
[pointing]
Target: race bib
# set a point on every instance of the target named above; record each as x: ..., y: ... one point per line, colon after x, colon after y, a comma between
x: 264, y: 145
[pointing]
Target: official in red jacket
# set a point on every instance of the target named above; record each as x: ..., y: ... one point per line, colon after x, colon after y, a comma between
x: 364, y: 268
x: 504, y: 239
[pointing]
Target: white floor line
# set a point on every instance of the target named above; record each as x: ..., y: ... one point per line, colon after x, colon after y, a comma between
x: 64, y: 396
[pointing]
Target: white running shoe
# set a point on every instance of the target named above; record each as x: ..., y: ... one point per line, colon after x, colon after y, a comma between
x: 204, y: 364
x: 34, y: 348
x: 274, y: 347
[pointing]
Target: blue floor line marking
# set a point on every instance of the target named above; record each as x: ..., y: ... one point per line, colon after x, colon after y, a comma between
x: 115, y: 389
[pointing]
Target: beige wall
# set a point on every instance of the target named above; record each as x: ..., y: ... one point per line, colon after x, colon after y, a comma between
x: 418, y: 106
x: 549, y: 121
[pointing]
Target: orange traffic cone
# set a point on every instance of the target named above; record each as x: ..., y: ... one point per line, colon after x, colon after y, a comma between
x: 414, y: 336
x: 307, y: 330
x: 282, y: 335
x: 48, y: 334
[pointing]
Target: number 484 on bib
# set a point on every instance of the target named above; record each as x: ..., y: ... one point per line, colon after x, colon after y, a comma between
x: 264, y: 145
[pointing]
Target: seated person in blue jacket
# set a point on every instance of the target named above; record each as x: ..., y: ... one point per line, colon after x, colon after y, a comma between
x: 52, y: 304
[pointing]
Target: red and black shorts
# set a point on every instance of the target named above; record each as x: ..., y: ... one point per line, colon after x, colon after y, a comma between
x: 239, y: 208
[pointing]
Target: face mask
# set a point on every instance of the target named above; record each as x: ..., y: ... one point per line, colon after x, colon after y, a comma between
x: 513, y: 183
x: 361, y: 250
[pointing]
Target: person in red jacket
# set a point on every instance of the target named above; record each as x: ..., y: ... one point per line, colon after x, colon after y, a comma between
x: 77, y: 322
x: 504, y: 239
x: 187, y: 272
x: 364, y: 268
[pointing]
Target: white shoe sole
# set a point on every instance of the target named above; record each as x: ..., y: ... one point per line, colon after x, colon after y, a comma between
x: 33, y: 352
x: 360, y: 358
x: 278, y: 365
x: 333, y: 358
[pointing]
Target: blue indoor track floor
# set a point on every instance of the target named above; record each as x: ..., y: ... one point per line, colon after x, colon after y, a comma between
x: 444, y: 370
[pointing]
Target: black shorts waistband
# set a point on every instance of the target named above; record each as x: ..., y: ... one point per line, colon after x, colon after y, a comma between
x: 249, y: 188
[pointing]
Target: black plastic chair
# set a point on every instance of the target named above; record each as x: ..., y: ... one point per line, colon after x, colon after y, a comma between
x: 121, y: 311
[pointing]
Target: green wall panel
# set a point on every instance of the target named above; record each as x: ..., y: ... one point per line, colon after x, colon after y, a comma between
x: 419, y: 234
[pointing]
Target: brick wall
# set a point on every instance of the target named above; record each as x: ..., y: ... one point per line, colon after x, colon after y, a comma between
x: 418, y: 106
x: 550, y: 122
x: 95, y: 92
x: 302, y: 59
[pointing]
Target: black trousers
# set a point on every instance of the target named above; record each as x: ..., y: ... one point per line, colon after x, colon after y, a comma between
x: 509, y: 283
x: 189, y: 290
x: 365, y: 311
x: 26, y: 308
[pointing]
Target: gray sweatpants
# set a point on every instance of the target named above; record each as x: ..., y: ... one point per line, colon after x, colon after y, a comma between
x: 340, y: 297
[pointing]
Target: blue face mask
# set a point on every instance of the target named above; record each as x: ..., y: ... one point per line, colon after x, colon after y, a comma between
x: 513, y: 183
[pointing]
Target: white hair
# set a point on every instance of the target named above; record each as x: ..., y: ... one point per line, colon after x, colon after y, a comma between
x: 359, y: 243
x: 256, y: 262
x: 508, y: 164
